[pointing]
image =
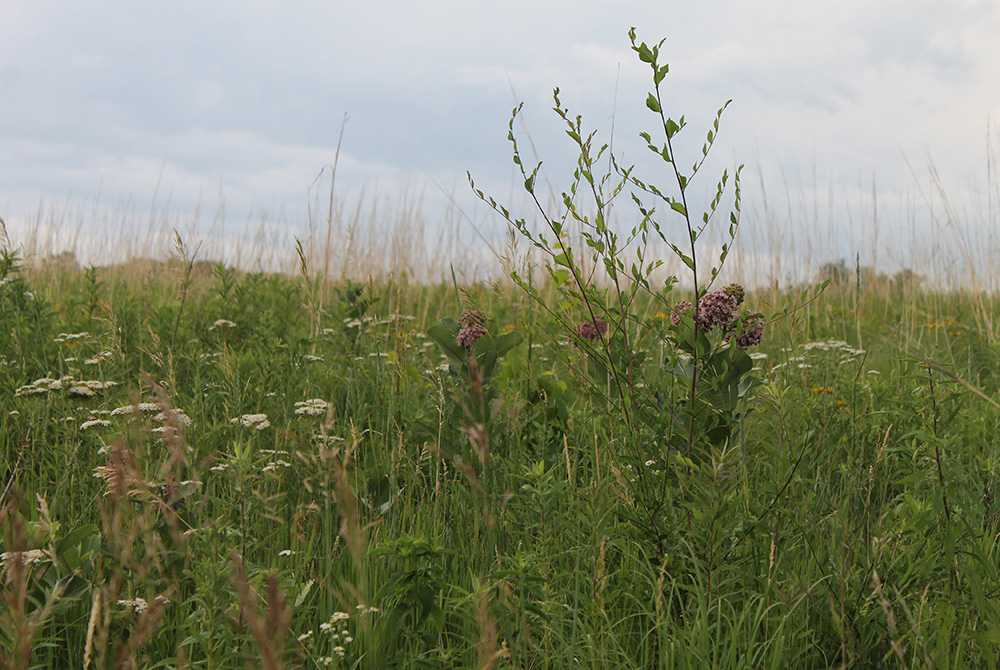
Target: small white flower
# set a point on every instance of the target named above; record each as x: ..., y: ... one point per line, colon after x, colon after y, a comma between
x: 94, y: 422
x: 311, y: 407
x: 258, y: 421
x: 305, y: 636
x: 82, y: 391
x: 222, y: 323
x: 339, y: 651
x: 286, y: 552
x: 180, y: 417
x: 29, y: 557
x: 138, y: 605
x: 139, y: 407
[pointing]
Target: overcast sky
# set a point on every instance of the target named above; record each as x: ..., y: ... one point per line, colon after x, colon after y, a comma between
x: 112, y: 102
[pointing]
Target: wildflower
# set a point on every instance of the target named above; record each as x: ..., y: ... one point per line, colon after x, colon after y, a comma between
x: 312, y: 407
x: 30, y: 389
x: 138, y: 605
x: 717, y: 309
x: 736, y: 291
x: 94, y: 422
x: 29, y: 557
x: 258, y: 421
x: 590, y: 330
x: 271, y: 467
x: 751, y: 333
x: 472, y: 328
x: 222, y: 323
x: 82, y: 391
x: 305, y: 636
x: 138, y: 407
x: 339, y: 651
x: 679, y: 311
x: 286, y: 552
x: 177, y: 415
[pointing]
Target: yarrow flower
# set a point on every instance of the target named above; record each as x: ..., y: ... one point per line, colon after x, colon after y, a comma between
x: 258, y: 421
x: 590, y: 330
x: 472, y: 328
x: 312, y: 407
x: 29, y: 557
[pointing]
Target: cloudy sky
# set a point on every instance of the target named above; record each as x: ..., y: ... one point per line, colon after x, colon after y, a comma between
x: 225, y: 112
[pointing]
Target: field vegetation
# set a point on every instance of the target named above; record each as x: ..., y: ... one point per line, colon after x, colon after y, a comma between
x: 579, y: 465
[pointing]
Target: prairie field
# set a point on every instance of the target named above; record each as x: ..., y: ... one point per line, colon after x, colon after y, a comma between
x: 204, y: 467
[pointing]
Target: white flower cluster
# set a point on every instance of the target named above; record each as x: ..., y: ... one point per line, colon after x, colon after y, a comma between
x: 64, y: 338
x: 138, y: 407
x: 257, y: 421
x: 29, y: 557
x: 848, y: 354
x: 73, y: 387
x: 312, y: 407
x: 139, y: 605
x: 222, y: 323
x: 271, y: 467
x: 169, y: 418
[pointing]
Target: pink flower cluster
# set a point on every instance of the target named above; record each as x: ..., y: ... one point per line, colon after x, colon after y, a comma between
x: 720, y: 309
x: 751, y: 334
x: 590, y: 330
x: 473, y: 327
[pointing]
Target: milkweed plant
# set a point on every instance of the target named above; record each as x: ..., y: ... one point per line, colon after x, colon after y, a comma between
x: 670, y: 392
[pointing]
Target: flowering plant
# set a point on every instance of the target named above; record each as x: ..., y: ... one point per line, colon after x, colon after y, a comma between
x: 670, y: 391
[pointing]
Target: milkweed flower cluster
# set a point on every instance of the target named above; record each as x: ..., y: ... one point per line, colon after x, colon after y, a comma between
x: 590, y: 330
x: 720, y: 309
x: 717, y: 309
x: 473, y: 327
x: 751, y: 333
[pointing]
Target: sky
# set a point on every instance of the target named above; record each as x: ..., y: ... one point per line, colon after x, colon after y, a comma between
x: 861, y: 123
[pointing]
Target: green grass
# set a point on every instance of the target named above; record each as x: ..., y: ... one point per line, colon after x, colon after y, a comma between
x: 850, y: 522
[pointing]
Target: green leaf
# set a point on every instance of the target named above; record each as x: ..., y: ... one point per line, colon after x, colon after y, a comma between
x: 446, y: 340
x: 653, y: 104
x: 645, y: 54
x: 529, y: 184
x: 678, y: 207
x: 660, y: 74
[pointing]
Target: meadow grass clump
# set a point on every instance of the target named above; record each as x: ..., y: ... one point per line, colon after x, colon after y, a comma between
x: 205, y: 467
